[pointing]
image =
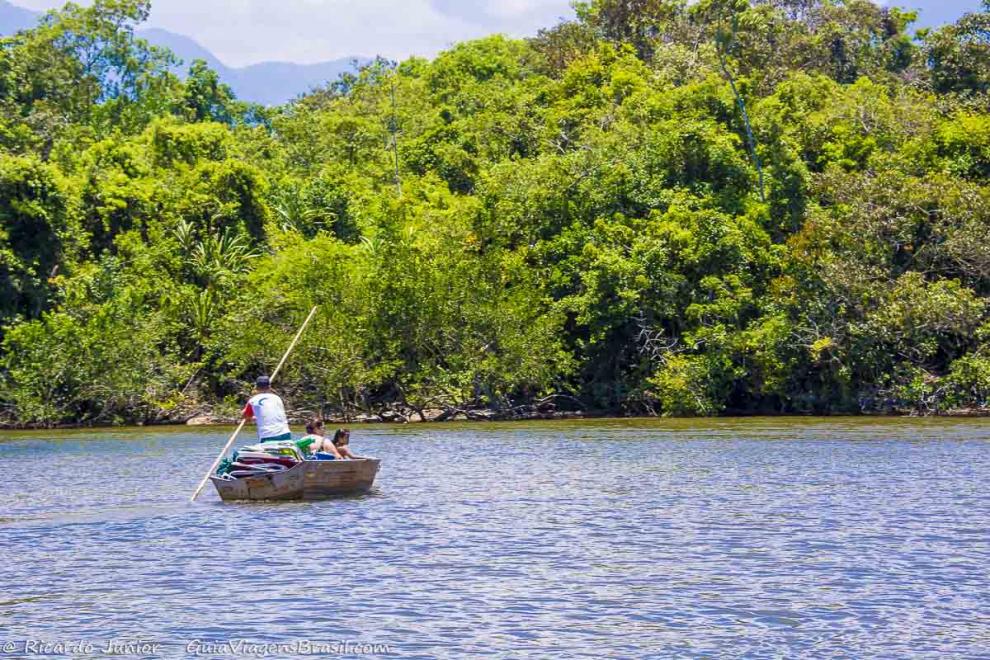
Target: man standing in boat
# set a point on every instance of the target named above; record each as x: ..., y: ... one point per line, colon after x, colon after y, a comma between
x: 268, y: 412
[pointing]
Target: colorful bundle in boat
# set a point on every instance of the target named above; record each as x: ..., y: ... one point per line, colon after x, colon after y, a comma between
x: 260, y: 459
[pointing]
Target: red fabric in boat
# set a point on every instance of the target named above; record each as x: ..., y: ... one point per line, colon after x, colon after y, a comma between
x: 281, y: 460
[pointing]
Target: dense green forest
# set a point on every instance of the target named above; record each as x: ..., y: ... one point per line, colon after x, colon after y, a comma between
x: 660, y: 207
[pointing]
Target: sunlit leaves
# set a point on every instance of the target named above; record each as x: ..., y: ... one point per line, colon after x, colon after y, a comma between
x: 661, y: 207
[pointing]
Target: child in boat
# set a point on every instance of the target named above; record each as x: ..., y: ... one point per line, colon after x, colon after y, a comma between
x: 340, y: 440
x: 315, y: 443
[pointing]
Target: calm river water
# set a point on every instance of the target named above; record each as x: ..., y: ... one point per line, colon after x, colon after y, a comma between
x: 752, y: 537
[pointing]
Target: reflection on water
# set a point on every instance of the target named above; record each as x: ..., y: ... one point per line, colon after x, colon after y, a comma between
x: 767, y: 537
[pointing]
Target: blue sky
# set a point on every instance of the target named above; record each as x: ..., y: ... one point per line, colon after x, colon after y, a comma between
x: 242, y: 32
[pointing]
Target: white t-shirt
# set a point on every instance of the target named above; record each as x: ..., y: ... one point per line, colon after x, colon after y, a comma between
x: 269, y: 414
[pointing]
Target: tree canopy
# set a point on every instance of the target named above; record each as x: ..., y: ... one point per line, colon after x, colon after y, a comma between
x: 660, y: 207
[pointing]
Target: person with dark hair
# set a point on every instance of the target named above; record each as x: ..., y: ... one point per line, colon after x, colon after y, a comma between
x: 268, y: 412
x: 340, y: 442
x: 315, y: 443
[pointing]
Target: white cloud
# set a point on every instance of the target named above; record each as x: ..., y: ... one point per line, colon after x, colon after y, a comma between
x: 242, y: 32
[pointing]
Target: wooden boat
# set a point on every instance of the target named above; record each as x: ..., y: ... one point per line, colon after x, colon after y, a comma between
x: 308, y: 480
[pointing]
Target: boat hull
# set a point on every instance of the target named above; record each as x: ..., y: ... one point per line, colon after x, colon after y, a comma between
x: 308, y: 480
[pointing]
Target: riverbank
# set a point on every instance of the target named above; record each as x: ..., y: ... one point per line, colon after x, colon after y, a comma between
x: 209, y: 417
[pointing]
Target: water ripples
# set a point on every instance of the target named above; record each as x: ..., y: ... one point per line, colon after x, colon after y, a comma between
x: 758, y: 537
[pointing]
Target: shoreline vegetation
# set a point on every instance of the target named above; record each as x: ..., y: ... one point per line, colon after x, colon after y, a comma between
x: 440, y: 416
x: 658, y: 208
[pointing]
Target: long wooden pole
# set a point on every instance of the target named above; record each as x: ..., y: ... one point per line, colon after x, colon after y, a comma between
x: 240, y: 426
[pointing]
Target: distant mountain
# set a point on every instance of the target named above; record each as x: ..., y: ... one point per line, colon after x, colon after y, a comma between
x: 14, y: 18
x: 273, y: 83
x: 267, y: 83
x: 185, y: 48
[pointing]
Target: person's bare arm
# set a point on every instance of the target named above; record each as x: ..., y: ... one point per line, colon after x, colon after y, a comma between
x: 346, y: 451
x: 326, y: 446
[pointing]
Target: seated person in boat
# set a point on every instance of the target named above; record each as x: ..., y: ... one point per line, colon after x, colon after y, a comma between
x: 340, y: 441
x: 268, y: 412
x: 315, y: 442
